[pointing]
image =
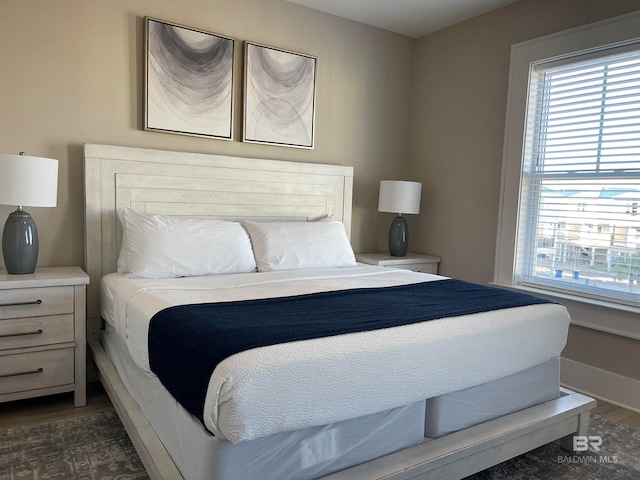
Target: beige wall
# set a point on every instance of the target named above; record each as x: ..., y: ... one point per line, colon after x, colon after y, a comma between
x: 71, y: 72
x: 622, y: 354
x: 460, y: 97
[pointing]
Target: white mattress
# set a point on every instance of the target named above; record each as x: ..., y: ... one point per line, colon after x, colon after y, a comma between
x: 297, y: 385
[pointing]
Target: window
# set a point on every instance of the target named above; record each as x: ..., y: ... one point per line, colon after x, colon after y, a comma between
x: 569, y: 221
x: 580, y: 185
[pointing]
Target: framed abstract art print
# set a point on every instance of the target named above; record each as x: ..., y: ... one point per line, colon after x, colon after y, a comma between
x: 188, y: 81
x: 279, y: 96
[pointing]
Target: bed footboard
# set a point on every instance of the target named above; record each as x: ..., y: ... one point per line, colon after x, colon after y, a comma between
x: 471, y: 450
x: 154, y: 457
x: 456, y: 455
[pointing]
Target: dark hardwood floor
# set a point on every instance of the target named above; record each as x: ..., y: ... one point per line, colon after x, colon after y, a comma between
x: 53, y: 407
x: 618, y: 414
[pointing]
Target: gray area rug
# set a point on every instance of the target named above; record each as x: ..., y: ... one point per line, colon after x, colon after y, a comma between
x: 91, y: 447
x: 96, y: 447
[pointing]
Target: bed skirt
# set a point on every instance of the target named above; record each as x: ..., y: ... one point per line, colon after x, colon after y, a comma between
x: 303, y: 454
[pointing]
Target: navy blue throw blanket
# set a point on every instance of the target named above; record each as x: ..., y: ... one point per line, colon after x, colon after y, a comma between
x: 186, y: 342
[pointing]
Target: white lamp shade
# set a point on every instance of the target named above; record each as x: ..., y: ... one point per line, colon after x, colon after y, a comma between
x: 28, y: 181
x: 397, y: 196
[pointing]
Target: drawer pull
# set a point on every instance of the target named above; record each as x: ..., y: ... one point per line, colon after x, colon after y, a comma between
x: 20, y: 304
x: 7, y: 335
x: 40, y: 370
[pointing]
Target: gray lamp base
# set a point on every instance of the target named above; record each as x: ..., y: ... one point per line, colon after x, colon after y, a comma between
x: 20, y: 243
x: 398, y: 237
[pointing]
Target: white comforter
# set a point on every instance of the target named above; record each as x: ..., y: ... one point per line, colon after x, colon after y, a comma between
x: 316, y: 382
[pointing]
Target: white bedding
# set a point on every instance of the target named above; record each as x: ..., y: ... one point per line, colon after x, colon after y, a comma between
x: 316, y: 382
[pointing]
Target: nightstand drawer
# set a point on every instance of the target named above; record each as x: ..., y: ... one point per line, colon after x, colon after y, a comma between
x: 33, y: 302
x: 420, y: 267
x: 416, y: 262
x: 31, y: 371
x: 34, y: 331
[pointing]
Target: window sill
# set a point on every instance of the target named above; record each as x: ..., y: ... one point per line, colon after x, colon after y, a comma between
x: 628, y: 329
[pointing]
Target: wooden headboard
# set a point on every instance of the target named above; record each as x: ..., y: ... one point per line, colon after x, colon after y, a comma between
x: 178, y: 183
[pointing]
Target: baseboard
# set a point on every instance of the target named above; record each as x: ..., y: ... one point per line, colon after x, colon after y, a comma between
x: 601, y: 384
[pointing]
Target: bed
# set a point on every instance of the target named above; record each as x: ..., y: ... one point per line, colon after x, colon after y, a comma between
x: 440, y: 421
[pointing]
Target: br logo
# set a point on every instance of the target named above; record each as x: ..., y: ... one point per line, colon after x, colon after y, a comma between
x: 582, y: 443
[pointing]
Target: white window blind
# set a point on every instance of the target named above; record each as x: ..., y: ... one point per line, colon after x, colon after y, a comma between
x: 579, y: 228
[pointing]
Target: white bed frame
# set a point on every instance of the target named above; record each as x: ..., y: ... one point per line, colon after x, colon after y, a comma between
x: 177, y: 183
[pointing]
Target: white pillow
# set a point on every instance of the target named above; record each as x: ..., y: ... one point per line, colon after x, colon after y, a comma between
x: 123, y: 256
x: 161, y: 246
x: 292, y: 245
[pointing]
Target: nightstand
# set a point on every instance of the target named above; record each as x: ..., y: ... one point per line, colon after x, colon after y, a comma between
x: 411, y: 261
x: 43, y: 334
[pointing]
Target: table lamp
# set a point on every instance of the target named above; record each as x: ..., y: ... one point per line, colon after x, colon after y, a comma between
x: 397, y: 196
x: 25, y: 181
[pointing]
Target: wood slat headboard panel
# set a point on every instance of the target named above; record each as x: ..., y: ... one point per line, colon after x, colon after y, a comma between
x: 179, y: 183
